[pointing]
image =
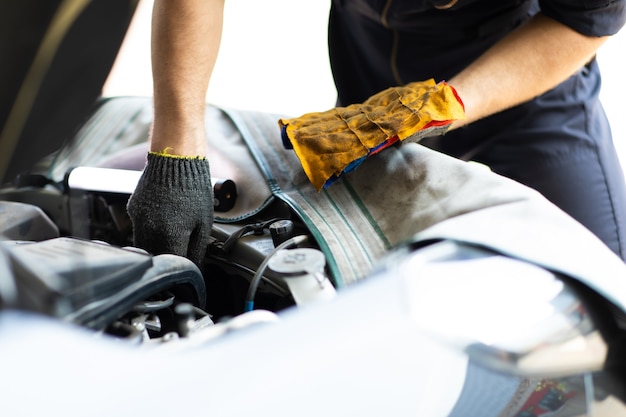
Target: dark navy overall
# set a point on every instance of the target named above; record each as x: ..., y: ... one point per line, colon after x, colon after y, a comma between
x: 559, y: 143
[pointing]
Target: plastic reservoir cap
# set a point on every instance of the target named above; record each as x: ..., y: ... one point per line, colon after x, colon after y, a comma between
x: 294, y: 262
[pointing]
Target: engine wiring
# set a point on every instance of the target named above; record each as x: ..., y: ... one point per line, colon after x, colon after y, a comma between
x: 256, y: 228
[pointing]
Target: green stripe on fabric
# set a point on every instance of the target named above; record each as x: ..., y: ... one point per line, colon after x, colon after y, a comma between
x: 246, y: 215
x: 347, y: 223
x: 331, y: 262
x: 333, y: 231
x: 367, y: 214
x: 349, y: 242
x: 266, y: 169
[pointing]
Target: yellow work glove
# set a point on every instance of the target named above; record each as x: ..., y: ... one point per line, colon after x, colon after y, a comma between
x: 331, y: 143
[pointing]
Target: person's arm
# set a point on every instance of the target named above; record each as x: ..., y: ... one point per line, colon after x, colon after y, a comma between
x: 525, y: 64
x: 171, y: 209
x: 186, y: 35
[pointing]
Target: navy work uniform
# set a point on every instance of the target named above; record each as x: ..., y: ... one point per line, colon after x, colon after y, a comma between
x: 559, y: 143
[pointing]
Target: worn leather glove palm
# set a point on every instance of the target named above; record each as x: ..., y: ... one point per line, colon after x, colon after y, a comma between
x: 336, y: 141
x: 171, y: 209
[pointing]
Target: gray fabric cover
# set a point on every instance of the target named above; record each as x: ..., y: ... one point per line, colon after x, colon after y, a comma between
x: 409, y: 192
x: 406, y: 193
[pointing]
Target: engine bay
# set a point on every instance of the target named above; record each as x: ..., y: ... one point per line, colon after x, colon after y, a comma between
x: 70, y: 249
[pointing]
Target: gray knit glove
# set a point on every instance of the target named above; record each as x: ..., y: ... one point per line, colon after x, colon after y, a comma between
x: 172, y: 207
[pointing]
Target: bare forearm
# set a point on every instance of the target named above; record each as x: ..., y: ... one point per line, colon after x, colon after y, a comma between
x: 524, y: 65
x: 185, y: 41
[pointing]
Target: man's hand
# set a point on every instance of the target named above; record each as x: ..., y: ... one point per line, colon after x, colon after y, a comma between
x: 172, y: 207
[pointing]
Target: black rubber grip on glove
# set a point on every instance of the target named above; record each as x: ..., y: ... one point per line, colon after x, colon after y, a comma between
x: 172, y: 207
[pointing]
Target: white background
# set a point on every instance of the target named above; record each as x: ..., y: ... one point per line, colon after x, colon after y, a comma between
x: 258, y: 67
